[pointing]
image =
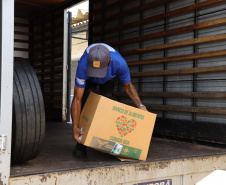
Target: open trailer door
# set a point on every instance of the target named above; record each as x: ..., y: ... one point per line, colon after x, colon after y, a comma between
x: 6, y: 88
x: 67, y: 67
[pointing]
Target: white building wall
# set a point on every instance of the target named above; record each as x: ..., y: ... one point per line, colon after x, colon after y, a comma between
x: 78, y: 48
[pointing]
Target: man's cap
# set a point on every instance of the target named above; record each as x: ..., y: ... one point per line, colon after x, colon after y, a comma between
x: 98, y: 60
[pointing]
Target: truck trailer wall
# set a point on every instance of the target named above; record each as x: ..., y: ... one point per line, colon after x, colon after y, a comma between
x: 39, y: 36
x: 47, y: 59
x: 176, y: 54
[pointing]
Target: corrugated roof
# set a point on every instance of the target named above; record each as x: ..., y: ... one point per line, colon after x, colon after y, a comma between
x: 80, y: 17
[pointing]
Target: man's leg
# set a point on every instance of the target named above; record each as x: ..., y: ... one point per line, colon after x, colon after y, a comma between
x: 80, y: 149
x: 89, y: 87
x: 107, y: 89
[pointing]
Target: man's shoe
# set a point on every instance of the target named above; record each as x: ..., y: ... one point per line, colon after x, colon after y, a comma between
x: 79, y: 150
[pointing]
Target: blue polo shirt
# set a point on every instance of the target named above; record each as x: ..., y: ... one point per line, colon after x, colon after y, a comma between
x: 118, y: 67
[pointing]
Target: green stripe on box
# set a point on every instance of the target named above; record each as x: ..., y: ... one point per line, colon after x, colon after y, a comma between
x: 107, y: 146
x: 128, y: 151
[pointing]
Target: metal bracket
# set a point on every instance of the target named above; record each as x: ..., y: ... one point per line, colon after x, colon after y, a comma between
x: 2, y: 143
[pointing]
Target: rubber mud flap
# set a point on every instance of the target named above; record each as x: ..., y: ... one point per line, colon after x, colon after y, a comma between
x: 28, y: 129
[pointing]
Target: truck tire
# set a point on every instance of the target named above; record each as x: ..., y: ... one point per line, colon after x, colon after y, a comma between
x: 28, y: 127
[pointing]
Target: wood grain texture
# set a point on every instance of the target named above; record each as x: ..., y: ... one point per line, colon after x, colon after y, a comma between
x: 206, y: 24
x: 181, y: 71
x: 161, y: 16
x: 201, y: 40
x: 179, y: 58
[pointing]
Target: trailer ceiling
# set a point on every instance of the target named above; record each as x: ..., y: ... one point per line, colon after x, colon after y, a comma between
x: 30, y: 9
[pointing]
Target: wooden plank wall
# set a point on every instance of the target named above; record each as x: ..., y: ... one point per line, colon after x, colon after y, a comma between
x: 21, y: 37
x: 177, y: 57
x: 47, y: 59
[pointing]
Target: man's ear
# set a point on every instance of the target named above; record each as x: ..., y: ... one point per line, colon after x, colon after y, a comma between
x: 109, y: 62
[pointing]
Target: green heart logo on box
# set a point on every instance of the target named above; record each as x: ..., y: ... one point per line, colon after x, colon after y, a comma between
x: 125, y: 126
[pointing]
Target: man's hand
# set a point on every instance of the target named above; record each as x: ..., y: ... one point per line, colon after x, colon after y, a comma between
x: 76, y: 134
x: 143, y: 108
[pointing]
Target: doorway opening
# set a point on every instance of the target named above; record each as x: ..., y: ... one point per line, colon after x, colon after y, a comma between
x: 79, y: 39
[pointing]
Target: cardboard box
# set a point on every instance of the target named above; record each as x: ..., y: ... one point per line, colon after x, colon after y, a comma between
x: 116, y: 128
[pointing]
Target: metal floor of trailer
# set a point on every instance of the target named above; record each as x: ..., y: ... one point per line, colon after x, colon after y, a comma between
x: 56, y: 154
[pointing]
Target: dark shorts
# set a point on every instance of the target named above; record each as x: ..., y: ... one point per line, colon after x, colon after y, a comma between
x: 105, y: 89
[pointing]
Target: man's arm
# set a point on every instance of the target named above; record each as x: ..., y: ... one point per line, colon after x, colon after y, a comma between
x: 132, y: 93
x: 75, y: 112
